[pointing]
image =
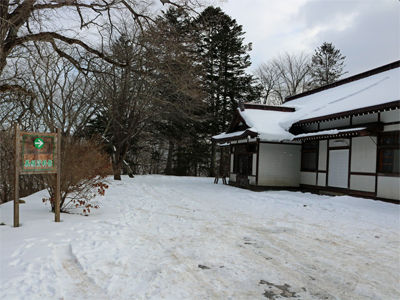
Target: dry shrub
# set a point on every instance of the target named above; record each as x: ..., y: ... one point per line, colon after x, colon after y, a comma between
x: 6, y: 165
x: 84, y: 168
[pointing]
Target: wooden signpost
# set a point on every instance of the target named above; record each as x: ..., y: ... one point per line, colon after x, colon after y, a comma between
x: 37, y: 153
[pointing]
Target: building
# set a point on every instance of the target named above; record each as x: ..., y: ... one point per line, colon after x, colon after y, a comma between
x: 339, y: 138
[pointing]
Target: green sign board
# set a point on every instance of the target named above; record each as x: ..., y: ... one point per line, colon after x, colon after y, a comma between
x: 38, y: 153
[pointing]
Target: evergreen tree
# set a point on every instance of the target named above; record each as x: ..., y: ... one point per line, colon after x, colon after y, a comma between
x: 224, y: 57
x: 327, y: 65
x: 177, y: 81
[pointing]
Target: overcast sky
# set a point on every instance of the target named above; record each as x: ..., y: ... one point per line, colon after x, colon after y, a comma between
x: 366, y: 31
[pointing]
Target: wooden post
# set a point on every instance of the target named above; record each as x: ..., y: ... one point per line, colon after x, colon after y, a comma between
x: 58, y: 178
x: 16, y: 175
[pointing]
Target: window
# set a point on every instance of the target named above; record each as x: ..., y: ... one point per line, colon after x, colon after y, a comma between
x: 243, y: 158
x: 388, y: 153
x: 309, y: 156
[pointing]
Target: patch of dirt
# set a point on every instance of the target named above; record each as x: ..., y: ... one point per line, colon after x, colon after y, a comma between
x: 203, y: 267
x: 276, y: 290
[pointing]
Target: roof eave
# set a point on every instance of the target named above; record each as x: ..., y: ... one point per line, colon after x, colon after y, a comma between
x: 244, y: 135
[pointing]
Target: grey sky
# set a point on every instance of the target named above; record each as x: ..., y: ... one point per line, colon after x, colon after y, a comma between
x: 366, y: 31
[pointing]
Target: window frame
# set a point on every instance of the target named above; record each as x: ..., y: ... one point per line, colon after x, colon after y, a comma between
x: 241, y: 150
x: 383, y: 147
x: 313, y: 149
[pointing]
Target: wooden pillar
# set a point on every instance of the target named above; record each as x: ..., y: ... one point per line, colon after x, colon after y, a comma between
x: 58, y: 178
x: 16, y: 174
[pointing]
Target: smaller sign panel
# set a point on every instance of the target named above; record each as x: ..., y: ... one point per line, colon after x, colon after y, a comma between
x: 38, y: 153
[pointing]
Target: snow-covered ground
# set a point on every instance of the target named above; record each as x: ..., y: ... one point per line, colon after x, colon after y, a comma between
x: 158, y: 237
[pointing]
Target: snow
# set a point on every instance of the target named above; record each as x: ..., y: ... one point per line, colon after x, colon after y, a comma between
x: 329, y: 132
x: 369, y: 91
x: 158, y: 237
x: 267, y: 124
x: 274, y: 126
x: 232, y: 134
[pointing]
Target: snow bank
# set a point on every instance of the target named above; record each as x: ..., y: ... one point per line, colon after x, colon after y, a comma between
x: 158, y: 237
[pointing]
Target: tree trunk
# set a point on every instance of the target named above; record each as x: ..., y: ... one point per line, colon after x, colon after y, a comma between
x: 212, y: 165
x: 117, y: 168
x: 168, y: 168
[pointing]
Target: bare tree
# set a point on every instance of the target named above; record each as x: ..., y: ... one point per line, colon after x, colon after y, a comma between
x: 29, y: 22
x: 268, y: 77
x: 65, y: 98
x: 293, y: 73
x: 284, y: 76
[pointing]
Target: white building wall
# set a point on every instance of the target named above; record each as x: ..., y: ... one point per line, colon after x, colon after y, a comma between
x: 279, y: 165
x: 390, y: 116
x: 321, y: 179
x: 323, y: 150
x: 252, y: 180
x: 362, y: 183
x: 393, y: 127
x: 254, y: 166
x: 363, y: 154
x: 369, y: 118
x: 232, y: 177
x: 389, y: 187
x: 334, y: 123
x: 309, y: 178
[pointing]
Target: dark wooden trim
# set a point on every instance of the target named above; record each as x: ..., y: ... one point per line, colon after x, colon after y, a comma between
x: 258, y: 160
x: 315, y: 190
x: 363, y: 173
x: 316, y: 176
x: 263, y: 188
x: 327, y: 163
x: 308, y: 170
x: 371, y: 126
x: 356, y: 77
x: 319, y: 171
x: 338, y: 190
x: 339, y: 147
x: 388, y: 174
x: 370, y: 129
x: 345, y: 114
x: 368, y: 195
x: 377, y: 159
x: 269, y: 107
x: 349, y: 167
x: 280, y: 143
x: 390, y: 123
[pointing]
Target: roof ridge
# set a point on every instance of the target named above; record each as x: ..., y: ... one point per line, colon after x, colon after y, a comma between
x: 268, y: 107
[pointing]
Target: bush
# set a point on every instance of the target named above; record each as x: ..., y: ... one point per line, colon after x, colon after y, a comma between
x: 84, y: 168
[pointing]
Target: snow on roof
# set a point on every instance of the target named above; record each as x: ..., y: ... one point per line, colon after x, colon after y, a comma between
x: 369, y: 91
x: 267, y: 124
x: 232, y: 134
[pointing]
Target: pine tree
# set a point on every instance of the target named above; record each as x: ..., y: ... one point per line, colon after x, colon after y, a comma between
x: 327, y: 65
x: 177, y: 81
x: 225, y: 58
